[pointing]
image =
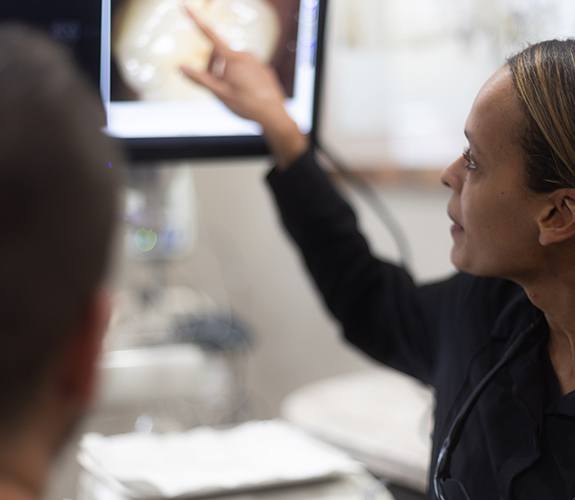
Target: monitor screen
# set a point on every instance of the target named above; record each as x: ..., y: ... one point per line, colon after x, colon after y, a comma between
x: 77, y: 24
x: 132, y: 50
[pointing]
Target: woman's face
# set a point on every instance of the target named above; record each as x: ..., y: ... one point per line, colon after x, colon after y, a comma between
x: 495, y: 230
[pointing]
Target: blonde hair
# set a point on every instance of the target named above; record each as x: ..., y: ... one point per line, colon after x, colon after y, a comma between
x: 544, y: 78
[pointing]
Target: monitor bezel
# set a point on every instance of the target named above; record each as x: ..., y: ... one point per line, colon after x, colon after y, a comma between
x: 146, y: 151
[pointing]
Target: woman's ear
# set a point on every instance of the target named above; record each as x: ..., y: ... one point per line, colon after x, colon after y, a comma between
x: 557, y: 222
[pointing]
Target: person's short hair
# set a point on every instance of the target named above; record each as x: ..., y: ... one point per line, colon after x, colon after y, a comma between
x: 59, y: 195
x: 544, y: 78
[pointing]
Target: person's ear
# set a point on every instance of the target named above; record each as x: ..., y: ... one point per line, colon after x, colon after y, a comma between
x: 80, y: 358
x: 557, y: 221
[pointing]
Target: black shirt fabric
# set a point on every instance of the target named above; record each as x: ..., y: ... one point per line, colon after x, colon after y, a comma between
x: 518, y: 442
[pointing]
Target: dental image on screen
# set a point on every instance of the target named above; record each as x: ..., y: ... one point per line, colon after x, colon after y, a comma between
x: 146, y: 96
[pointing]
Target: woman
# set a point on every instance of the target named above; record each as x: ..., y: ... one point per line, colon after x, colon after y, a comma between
x: 497, y: 340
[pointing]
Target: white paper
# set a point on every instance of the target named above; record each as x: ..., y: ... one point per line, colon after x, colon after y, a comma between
x: 208, y: 461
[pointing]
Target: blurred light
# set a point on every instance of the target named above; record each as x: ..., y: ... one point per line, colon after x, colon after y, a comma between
x: 145, y: 240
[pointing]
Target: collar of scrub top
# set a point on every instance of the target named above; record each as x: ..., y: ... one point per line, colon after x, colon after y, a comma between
x: 442, y: 468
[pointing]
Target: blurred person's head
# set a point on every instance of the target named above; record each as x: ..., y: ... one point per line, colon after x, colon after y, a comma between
x: 513, y: 202
x: 58, y: 204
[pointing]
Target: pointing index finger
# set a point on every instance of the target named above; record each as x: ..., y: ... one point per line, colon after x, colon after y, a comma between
x: 219, y: 44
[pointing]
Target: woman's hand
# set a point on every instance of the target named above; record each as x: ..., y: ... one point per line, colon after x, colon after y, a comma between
x: 252, y: 90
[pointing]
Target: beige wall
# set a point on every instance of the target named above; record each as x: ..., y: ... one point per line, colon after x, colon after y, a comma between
x: 267, y: 286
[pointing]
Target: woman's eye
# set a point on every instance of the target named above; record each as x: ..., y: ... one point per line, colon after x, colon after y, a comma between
x: 469, y: 161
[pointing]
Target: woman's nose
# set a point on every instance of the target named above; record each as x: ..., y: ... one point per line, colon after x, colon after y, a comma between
x: 450, y: 176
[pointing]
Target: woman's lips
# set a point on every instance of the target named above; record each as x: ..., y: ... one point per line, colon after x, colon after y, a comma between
x: 456, y: 227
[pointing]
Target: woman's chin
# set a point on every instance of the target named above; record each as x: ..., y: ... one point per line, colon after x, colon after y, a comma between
x: 459, y: 260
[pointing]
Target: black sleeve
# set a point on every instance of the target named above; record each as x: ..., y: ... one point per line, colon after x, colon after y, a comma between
x: 380, y: 309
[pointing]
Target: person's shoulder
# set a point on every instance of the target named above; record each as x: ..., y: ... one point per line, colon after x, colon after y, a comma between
x: 496, y: 290
x: 463, y: 288
x: 496, y: 302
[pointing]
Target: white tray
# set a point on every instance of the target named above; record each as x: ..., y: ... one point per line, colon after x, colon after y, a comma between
x: 206, y: 461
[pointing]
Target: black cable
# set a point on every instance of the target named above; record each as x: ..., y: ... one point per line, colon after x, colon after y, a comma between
x: 376, y: 203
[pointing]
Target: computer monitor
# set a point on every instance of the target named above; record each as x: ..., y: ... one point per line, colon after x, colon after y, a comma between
x: 78, y: 24
x: 132, y: 49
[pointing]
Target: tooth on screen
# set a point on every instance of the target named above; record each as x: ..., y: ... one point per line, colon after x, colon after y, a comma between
x: 152, y: 38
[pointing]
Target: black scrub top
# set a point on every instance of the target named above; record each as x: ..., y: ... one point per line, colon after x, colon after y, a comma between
x: 518, y: 442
